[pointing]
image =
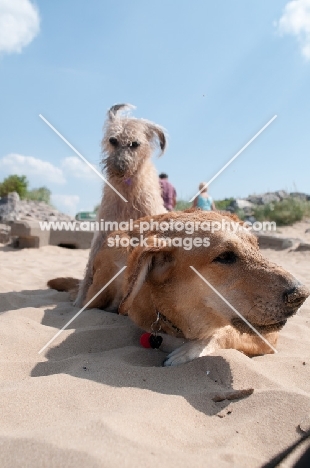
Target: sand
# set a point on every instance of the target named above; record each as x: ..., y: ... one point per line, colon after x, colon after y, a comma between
x: 95, y: 398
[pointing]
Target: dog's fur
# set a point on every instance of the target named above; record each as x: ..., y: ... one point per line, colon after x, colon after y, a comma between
x: 159, y: 280
x: 127, y: 147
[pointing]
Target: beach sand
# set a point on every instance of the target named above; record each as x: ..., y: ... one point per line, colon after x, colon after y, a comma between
x: 96, y: 398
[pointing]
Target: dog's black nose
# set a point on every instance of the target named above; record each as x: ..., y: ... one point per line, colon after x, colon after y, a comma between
x: 295, y: 297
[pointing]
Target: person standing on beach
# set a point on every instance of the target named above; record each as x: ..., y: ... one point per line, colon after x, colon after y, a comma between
x: 204, y: 201
x: 168, y: 192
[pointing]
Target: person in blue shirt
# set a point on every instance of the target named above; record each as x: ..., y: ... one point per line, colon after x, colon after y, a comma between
x: 203, y: 200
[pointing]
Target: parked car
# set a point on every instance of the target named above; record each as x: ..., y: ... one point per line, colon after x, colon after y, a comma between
x: 86, y: 216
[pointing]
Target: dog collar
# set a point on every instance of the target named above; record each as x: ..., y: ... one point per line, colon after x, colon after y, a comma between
x: 166, y: 321
x: 152, y: 340
x: 128, y: 181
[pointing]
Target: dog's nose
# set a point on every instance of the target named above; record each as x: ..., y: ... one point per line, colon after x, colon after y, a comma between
x: 296, y: 296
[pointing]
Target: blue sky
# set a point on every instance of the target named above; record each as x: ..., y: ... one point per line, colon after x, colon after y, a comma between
x: 212, y: 73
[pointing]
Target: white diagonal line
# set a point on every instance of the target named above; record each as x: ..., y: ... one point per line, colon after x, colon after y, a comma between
x: 82, y: 157
x: 236, y: 155
x: 235, y: 310
x: 80, y: 311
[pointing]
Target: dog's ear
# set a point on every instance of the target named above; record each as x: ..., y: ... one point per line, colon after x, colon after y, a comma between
x: 118, y: 108
x: 156, y: 131
x: 151, y: 264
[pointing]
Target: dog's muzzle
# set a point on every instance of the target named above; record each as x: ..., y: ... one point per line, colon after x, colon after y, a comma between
x: 121, y: 164
x: 292, y: 300
x: 120, y: 168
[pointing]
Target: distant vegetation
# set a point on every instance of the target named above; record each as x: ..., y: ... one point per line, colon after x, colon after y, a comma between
x: 40, y: 194
x: 14, y: 183
x: 223, y: 204
x: 182, y: 205
x: 19, y: 184
x: 285, y: 212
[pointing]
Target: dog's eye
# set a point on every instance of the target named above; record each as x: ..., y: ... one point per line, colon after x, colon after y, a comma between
x: 227, y: 258
x: 135, y: 144
x: 113, y: 141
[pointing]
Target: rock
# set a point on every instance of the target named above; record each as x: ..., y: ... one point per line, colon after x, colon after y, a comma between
x: 270, y: 198
x: 5, y: 234
x: 9, y: 207
x: 247, y: 205
x: 255, y: 199
x: 242, y: 204
x: 13, y: 198
x: 265, y: 198
x: 20, y: 218
x: 282, y: 194
x: 14, y: 209
x: 274, y: 197
x: 300, y: 195
x: 302, y: 247
x: 275, y: 242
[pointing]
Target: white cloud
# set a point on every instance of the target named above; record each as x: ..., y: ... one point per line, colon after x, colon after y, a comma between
x: 77, y: 168
x: 30, y: 166
x: 19, y: 24
x: 66, y: 203
x: 295, y: 20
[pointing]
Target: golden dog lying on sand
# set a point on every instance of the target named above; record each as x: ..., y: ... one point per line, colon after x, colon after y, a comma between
x: 161, y: 292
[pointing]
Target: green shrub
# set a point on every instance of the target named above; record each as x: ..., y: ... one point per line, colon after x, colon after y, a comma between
x: 182, y: 205
x: 240, y: 213
x: 40, y: 194
x: 14, y: 183
x: 223, y: 204
x: 284, y: 213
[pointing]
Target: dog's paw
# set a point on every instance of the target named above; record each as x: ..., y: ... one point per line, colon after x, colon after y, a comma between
x: 170, y: 343
x: 187, y: 353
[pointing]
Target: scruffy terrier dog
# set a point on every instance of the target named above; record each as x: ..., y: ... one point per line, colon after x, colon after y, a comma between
x: 127, y: 146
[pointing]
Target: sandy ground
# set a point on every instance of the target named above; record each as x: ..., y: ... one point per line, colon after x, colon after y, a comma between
x: 95, y: 398
x: 297, y: 231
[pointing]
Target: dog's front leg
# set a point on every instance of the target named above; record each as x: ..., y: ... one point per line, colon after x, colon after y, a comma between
x: 171, y: 343
x: 191, y: 350
x: 88, y: 276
